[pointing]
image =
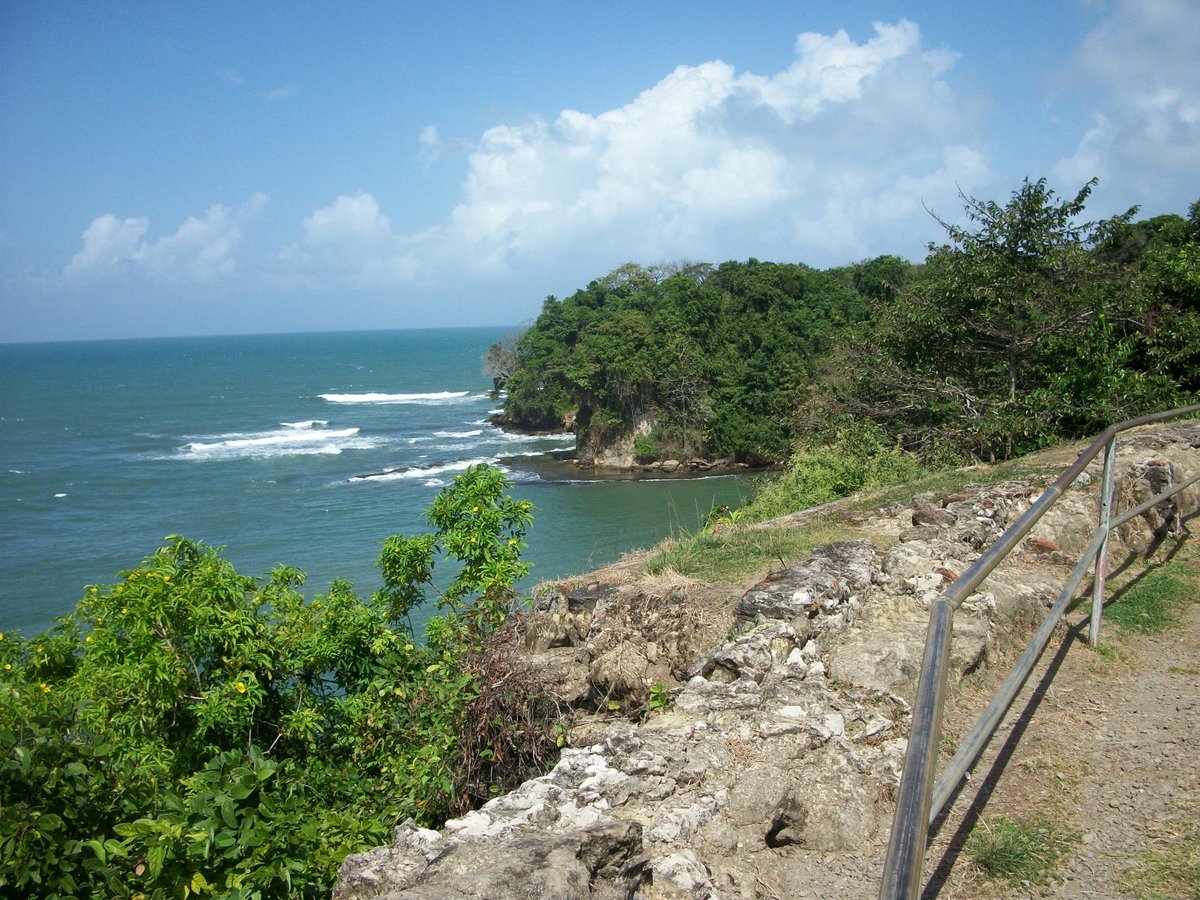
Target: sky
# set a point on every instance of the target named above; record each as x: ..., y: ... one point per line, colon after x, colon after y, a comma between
x: 221, y: 167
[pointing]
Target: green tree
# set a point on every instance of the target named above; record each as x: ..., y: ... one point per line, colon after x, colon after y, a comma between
x: 1025, y: 327
x: 502, y: 358
x: 191, y: 730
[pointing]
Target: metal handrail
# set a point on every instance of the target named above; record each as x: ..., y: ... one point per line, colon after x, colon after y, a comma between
x: 920, y: 801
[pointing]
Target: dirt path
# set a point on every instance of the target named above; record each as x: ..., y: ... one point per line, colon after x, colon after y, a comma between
x: 1106, y: 753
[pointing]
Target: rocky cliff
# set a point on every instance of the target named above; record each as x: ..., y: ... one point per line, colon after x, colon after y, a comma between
x: 772, y: 771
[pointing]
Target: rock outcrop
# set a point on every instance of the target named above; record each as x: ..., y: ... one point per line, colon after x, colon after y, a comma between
x: 773, y: 770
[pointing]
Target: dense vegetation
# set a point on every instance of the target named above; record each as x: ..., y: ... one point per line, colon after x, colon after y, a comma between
x: 716, y: 357
x: 193, y: 731
x: 1027, y: 326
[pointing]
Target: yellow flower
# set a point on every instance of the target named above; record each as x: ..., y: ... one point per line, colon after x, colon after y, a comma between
x: 88, y: 639
x: 475, y: 509
x: 7, y: 666
x: 124, y: 610
x: 1, y: 635
x: 512, y: 542
x: 240, y: 687
x: 37, y: 648
x: 166, y: 579
x: 45, y: 687
x: 473, y: 540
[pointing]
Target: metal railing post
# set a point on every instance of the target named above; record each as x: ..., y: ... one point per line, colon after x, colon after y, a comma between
x: 910, y: 827
x: 1106, y: 498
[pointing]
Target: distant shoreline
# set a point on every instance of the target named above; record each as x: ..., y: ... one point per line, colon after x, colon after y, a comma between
x: 559, y: 466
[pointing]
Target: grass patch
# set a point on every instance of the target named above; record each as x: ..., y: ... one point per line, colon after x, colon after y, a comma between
x: 1171, y: 868
x: 1153, y: 604
x: 734, y: 553
x: 1106, y: 657
x: 1017, y: 851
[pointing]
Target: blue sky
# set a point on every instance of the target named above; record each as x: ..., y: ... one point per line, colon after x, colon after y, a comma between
x: 219, y: 167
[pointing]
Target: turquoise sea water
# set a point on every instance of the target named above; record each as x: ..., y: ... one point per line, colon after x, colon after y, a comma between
x: 304, y: 449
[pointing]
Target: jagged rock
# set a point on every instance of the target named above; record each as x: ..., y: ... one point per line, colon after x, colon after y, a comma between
x: 681, y: 873
x: 830, y: 577
x: 1145, y: 480
x: 934, y: 515
x: 749, y: 655
x: 883, y: 652
x: 562, y: 673
x: 564, y: 619
x: 603, y: 861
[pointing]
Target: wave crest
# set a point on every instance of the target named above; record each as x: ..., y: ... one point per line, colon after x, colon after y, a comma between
x: 426, y: 472
x: 433, y: 397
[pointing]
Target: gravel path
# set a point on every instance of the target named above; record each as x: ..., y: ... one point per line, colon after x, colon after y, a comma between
x: 1109, y: 748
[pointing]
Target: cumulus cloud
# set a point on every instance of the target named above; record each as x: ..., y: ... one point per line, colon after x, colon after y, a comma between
x: 350, y: 241
x: 711, y: 162
x: 825, y: 162
x: 1147, y: 132
x: 200, y: 250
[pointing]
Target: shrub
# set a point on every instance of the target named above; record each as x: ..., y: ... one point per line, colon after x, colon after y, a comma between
x: 191, y: 730
x: 646, y: 448
x: 857, y: 455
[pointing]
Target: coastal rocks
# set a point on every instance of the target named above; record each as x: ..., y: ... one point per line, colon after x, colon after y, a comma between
x: 603, y: 861
x: 832, y: 579
x: 1145, y: 480
x: 884, y: 651
x: 597, y: 646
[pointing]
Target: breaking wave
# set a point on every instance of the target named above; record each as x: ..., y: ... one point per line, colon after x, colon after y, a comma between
x: 290, y: 439
x: 427, y: 399
x: 425, y: 472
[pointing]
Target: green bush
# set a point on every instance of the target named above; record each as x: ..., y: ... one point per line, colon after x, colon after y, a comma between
x: 646, y: 448
x: 191, y: 730
x: 858, y: 455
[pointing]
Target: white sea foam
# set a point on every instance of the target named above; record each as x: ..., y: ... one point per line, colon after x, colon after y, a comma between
x: 286, y: 441
x: 425, y: 472
x: 434, y: 397
x: 309, y: 423
x: 56, y: 496
x: 458, y: 434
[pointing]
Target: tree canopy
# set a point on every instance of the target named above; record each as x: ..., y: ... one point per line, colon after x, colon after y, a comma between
x: 717, y: 357
x: 1029, y: 324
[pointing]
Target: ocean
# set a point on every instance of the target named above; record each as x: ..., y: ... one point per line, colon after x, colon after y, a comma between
x: 301, y: 449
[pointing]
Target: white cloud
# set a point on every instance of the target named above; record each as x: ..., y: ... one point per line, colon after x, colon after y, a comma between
x: 230, y: 76
x: 350, y: 242
x: 827, y: 161
x: 1147, y: 134
x: 200, y: 250
x: 713, y: 163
